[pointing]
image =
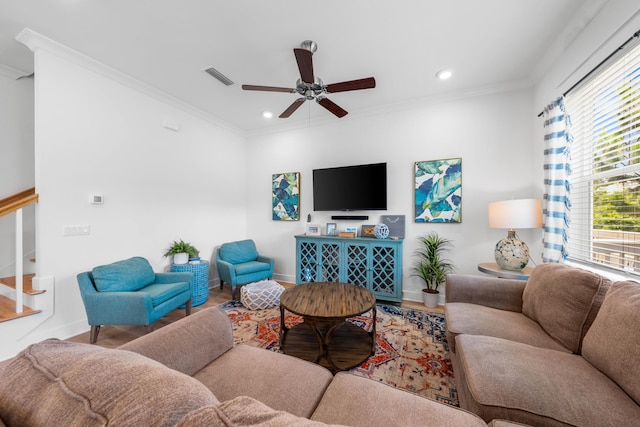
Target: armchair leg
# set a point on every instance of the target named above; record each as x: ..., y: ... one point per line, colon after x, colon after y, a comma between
x: 233, y: 291
x: 95, y: 330
x: 187, y: 308
x: 150, y: 327
x: 221, y: 283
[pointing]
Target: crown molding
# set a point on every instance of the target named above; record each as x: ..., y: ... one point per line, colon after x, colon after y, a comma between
x: 12, y: 73
x: 36, y: 41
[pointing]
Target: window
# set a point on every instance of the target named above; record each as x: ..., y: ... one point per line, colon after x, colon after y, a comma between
x: 605, y: 164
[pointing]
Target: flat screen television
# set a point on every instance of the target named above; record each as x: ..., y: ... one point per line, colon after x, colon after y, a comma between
x: 350, y: 188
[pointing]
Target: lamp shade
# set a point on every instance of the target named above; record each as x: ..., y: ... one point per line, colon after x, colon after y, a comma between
x: 521, y: 213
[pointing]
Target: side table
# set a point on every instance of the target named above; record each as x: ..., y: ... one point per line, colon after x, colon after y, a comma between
x: 494, y: 269
x: 200, y: 281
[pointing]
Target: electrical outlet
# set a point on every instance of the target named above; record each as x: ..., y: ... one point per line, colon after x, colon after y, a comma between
x: 77, y: 230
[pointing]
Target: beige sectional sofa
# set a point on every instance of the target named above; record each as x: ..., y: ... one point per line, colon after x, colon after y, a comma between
x: 189, y: 374
x: 561, y: 349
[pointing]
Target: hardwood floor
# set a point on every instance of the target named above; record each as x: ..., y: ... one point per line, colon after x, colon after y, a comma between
x: 114, y: 336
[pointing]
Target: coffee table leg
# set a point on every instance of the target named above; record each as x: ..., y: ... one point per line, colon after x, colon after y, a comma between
x: 322, y: 347
x: 283, y: 328
x: 373, y: 330
x: 327, y: 340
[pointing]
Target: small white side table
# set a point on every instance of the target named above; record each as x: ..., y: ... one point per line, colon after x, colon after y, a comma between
x: 494, y: 269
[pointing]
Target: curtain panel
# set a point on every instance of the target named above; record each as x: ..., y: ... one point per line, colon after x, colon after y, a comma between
x: 556, y: 203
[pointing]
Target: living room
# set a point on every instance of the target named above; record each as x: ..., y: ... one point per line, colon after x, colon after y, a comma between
x: 97, y: 130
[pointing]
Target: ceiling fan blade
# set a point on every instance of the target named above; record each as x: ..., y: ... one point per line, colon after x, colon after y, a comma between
x: 293, y: 107
x: 268, y: 88
x: 305, y: 64
x: 332, y: 107
x: 367, y: 83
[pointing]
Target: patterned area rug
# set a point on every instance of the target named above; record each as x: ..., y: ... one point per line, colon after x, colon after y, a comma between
x: 411, y: 347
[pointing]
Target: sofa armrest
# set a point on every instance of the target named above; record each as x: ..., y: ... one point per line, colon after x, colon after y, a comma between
x: 174, y: 277
x: 189, y: 344
x: 226, y: 272
x: 503, y: 294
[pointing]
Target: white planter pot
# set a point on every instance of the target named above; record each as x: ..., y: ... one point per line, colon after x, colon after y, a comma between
x: 181, y: 258
x: 430, y: 299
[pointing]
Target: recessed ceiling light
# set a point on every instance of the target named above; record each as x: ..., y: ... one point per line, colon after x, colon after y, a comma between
x: 267, y: 114
x: 444, y: 74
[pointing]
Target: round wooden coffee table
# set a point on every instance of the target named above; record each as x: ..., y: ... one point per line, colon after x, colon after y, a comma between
x: 325, y: 337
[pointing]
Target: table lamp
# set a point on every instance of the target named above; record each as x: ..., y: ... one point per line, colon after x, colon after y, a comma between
x: 512, y: 253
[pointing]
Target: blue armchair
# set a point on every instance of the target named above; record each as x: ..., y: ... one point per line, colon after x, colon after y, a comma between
x: 128, y: 292
x: 239, y: 263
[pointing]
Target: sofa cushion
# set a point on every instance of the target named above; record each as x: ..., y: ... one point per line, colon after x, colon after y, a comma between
x: 501, y: 379
x: 123, y: 276
x: 206, y: 335
x: 84, y: 385
x: 358, y: 401
x: 613, y: 341
x: 560, y: 299
x: 282, y: 382
x: 238, y: 252
x: 474, y: 319
x: 244, y: 411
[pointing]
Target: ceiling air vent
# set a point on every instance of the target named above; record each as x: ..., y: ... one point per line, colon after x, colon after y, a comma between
x: 219, y: 76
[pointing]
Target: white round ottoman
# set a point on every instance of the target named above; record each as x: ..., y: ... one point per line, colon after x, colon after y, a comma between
x: 261, y: 295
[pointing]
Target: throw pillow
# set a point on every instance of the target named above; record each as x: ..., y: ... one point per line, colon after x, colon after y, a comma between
x: 560, y: 298
x: 128, y: 275
x: 611, y: 345
x: 245, y: 411
x: 84, y: 385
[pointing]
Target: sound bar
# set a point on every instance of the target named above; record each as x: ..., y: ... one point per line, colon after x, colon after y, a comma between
x: 356, y: 217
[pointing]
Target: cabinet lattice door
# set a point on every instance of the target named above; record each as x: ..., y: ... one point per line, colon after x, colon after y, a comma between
x: 374, y: 264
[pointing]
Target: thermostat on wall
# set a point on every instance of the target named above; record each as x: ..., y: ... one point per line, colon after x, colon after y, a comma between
x: 96, y: 199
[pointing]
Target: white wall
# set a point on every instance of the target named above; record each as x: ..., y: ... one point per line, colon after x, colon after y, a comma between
x: 16, y: 169
x: 96, y: 135
x: 491, y: 133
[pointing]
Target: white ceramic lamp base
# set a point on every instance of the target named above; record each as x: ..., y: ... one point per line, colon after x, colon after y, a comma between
x: 511, y: 253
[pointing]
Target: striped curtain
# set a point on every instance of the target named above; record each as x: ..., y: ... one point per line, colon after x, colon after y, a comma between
x: 556, y: 204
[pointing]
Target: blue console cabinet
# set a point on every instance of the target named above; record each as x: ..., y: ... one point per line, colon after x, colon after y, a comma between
x: 374, y: 264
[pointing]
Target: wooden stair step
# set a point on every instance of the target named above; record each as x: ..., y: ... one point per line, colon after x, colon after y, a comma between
x: 8, y: 308
x: 27, y: 284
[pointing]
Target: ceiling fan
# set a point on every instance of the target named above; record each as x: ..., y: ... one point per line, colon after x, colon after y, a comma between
x: 312, y: 87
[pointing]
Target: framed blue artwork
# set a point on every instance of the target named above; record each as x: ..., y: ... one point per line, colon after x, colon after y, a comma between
x: 285, y: 196
x: 438, y: 190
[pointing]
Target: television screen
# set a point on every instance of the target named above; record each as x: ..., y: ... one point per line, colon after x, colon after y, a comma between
x: 350, y: 188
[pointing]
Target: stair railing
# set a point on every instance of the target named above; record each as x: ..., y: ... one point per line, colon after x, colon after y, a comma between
x: 15, y: 204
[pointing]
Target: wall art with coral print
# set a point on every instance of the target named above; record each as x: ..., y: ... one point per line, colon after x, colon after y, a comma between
x: 438, y: 190
x: 285, y: 196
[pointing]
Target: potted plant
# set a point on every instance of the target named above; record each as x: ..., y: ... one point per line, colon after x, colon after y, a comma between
x: 432, y: 266
x: 181, y: 252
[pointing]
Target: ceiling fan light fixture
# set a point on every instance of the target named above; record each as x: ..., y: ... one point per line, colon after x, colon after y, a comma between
x: 444, y: 74
x: 310, y: 87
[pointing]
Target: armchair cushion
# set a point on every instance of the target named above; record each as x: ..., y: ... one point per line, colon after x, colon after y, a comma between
x: 611, y: 345
x: 80, y: 384
x: 238, y: 252
x: 560, y: 298
x: 251, y: 267
x: 124, y: 276
x: 160, y: 292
